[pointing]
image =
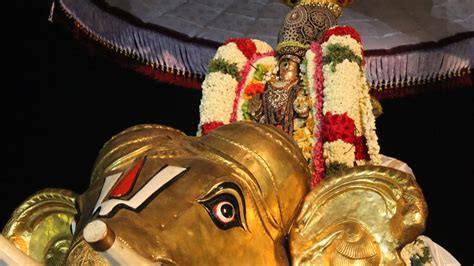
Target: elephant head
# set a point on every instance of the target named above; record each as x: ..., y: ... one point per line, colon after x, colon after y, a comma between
x: 239, y: 195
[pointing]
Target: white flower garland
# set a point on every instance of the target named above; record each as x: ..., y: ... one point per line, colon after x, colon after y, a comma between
x: 346, y: 91
x: 342, y: 91
x: 218, y: 93
x: 262, y: 47
x: 218, y: 89
x: 231, y: 53
x: 345, y: 40
x: 368, y: 123
x: 339, y: 151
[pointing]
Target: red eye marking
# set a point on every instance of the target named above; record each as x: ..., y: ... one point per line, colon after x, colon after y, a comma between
x: 125, y: 185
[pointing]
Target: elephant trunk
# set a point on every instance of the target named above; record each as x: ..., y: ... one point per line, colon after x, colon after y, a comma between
x: 103, y: 240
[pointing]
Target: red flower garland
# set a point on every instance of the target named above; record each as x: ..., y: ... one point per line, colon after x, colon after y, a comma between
x: 246, y: 46
x: 318, y: 78
x: 337, y: 127
x: 341, y: 31
x: 361, y: 149
x: 208, y: 127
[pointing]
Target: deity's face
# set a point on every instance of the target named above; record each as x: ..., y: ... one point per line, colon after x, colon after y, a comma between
x: 223, y: 206
x: 288, y: 69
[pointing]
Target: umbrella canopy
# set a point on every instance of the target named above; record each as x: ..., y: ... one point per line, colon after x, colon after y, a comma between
x: 408, y: 44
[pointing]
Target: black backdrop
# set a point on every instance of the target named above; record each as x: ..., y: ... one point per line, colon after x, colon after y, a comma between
x: 62, y: 103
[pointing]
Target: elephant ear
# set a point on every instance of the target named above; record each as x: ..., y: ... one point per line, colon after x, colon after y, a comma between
x: 40, y: 226
x: 362, y: 216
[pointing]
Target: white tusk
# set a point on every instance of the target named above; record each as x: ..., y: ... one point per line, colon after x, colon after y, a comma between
x: 11, y: 255
x: 102, y: 239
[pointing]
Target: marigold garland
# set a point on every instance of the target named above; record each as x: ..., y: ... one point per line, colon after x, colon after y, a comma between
x: 254, y: 88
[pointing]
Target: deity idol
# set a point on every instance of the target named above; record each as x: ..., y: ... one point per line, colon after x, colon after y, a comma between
x: 285, y: 170
x: 313, y: 88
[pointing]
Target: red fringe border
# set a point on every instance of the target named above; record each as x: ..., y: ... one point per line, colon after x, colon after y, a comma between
x: 170, y: 78
x: 465, y: 81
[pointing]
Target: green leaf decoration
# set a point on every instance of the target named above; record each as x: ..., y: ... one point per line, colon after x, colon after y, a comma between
x: 245, y: 111
x: 336, y: 54
x: 221, y: 65
x: 259, y: 72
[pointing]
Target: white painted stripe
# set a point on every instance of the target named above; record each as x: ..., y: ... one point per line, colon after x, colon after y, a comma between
x: 156, y: 182
x: 109, y: 182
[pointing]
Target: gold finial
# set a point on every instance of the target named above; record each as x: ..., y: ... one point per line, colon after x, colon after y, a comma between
x: 335, y: 4
x: 307, y: 22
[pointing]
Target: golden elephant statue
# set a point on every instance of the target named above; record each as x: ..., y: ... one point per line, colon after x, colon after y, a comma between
x: 237, y: 196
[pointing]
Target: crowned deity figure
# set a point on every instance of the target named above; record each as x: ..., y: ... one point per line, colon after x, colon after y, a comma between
x: 276, y: 105
x: 284, y: 98
x: 312, y: 86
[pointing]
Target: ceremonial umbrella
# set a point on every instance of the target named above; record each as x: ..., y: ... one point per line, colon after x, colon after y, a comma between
x: 409, y: 45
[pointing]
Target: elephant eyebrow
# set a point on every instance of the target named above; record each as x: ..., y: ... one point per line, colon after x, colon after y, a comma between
x: 156, y: 184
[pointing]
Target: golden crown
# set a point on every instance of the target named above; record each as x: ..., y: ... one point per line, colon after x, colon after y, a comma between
x: 306, y: 23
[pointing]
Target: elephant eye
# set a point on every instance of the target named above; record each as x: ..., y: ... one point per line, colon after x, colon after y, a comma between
x: 224, y: 211
x: 225, y: 205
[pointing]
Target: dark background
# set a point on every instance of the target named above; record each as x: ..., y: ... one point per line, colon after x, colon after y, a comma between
x: 61, y: 103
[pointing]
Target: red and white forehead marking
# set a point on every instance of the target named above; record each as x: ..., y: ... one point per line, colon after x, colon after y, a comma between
x: 159, y: 180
